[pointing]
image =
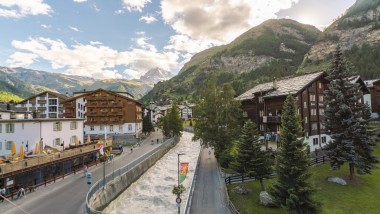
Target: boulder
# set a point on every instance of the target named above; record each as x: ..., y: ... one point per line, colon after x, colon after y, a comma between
x: 241, y: 190
x: 337, y: 180
x: 266, y: 200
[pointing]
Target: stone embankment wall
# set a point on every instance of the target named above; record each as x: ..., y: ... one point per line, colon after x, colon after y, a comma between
x: 114, y: 188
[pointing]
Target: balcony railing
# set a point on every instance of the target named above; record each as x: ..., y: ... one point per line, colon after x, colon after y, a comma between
x: 115, y: 113
x: 100, y: 97
x: 271, y: 119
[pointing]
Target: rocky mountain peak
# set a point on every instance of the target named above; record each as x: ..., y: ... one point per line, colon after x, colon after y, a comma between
x: 155, y: 75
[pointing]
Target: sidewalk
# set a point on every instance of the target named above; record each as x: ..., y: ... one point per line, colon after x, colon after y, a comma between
x: 68, y: 195
x: 208, y: 194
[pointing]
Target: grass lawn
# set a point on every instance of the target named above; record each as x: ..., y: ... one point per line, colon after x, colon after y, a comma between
x: 362, y: 197
x: 187, y: 123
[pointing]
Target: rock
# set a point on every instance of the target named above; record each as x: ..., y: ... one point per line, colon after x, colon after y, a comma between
x: 241, y: 190
x: 337, y: 180
x: 266, y: 200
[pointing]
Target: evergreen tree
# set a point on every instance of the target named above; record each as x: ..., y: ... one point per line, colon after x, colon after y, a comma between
x: 147, y: 124
x: 291, y: 189
x: 343, y: 119
x: 216, y: 117
x: 251, y: 160
x: 172, y: 123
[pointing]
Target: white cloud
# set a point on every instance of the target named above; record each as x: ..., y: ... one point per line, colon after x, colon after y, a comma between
x: 219, y: 20
x: 119, y: 12
x: 74, y: 28
x: 186, y: 44
x: 140, y: 33
x: 93, y: 6
x: 22, y: 8
x: 19, y: 59
x: 94, y: 59
x: 80, y: 1
x: 135, y: 5
x: 46, y: 26
x: 148, y: 19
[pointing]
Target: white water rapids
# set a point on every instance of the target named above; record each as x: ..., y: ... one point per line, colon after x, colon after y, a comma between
x: 152, y: 192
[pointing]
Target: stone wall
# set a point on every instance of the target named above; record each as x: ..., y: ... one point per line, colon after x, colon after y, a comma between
x: 103, y: 197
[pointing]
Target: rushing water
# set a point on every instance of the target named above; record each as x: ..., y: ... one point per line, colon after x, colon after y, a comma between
x: 152, y: 192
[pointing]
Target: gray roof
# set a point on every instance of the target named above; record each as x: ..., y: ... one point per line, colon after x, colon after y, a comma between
x: 369, y: 83
x: 3, y: 108
x: 285, y: 86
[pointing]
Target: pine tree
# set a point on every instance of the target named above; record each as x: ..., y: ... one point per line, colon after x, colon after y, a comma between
x: 344, y: 119
x: 147, y: 124
x: 216, y: 117
x: 291, y: 189
x: 172, y: 123
x: 251, y: 160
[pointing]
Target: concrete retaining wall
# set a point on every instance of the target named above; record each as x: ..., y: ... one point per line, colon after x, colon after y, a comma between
x: 103, y: 197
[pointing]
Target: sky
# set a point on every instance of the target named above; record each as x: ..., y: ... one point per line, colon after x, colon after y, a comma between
x: 124, y: 39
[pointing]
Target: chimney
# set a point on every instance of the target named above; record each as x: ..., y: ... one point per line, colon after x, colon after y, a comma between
x: 274, y: 83
x: 8, y: 106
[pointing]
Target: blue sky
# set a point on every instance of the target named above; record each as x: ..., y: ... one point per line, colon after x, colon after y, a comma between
x: 126, y: 38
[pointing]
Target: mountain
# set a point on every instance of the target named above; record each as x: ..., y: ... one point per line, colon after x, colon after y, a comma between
x: 29, y: 82
x: 357, y: 32
x: 9, y: 92
x: 155, y: 75
x: 273, y: 49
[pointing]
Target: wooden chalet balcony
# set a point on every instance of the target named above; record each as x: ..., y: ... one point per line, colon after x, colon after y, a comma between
x: 115, y: 104
x: 100, y: 97
x: 69, y: 105
x: 115, y: 113
x: 92, y: 104
x: 104, y: 122
x: 95, y: 113
x: 41, y: 101
x: 271, y: 119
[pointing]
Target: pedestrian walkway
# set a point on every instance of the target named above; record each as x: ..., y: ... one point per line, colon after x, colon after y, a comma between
x: 209, y: 193
x: 68, y: 195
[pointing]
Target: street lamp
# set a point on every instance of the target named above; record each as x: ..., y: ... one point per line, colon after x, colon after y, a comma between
x: 178, y: 196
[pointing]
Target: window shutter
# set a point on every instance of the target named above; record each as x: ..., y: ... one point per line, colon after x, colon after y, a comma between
x: 7, y: 128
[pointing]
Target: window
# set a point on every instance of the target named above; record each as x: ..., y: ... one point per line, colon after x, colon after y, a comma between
x: 8, y: 145
x: 304, y: 105
x: 313, y: 112
x: 33, y: 105
x: 57, y: 126
x: 111, y: 128
x: 73, y: 125
x: 42, y: 98
x: 22, y: 126
x: 315, y: 141
x: 78, y: 114
x: 320, y: 97
x: 261, y: 99
x: 72, y: 139
x: 321, y: 111
x: 78, y: 105
x: 42, y: 105
x: 262, y: 127
x: 0, y: 116
x: 52, y: 102
x: 1, y: 145
x: 305, y: 119
x: 1, y: 127
x: 10, y: 128
x: 84, y: 99
x: 92, y: 128
x: 57, y: 142
x: 323, y: 139
x: 245, y: 114
x: 120, y: 128
x: 314, y: 126
x: 312, y: 97
x: 319, y: 85
x: 101, y: 127
x: 129, y: 127
x: 261, y: 112
x: 52, y: 108
x: 322, y: 126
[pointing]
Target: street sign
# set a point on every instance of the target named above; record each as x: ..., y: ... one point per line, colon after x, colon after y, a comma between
x: 88, y: 178
x: 178, y: 205
x: 178, y: 200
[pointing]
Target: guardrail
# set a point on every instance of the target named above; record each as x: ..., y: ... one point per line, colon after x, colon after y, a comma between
x: 190, y: 196
x: 111, y: 176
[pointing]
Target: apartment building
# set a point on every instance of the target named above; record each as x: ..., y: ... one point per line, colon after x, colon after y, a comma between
x: 106, y: 111
x: 263, y: 105
x: 44, y: 105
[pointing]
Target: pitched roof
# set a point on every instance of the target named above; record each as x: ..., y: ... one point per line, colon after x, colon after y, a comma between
x: 119, y: 92
x: 369, y: 83
x: 3, y: 108
x: 50, y: 92
x: 102, y: 90
x: 285, y: 86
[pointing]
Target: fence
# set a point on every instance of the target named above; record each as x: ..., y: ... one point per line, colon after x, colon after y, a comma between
x: 190, y: 196
x: 118, y: 172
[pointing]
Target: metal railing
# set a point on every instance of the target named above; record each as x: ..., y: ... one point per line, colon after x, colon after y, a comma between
x: 111, y: 176
x: 190, y: 196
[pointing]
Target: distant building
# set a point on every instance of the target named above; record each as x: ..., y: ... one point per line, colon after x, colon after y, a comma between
x: 9, y: 111
x: 263, y: 105
x: 373, y: 98
x: 47, y: 104
x: 115, y: 112
x: 186, y: 111
x: 54, y: 132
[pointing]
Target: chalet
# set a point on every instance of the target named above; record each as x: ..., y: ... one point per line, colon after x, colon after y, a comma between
x: 263, y: 105
x: 373, y: 98
x: 47, y: 104
x: 106, y: 111
x: 9, y: 111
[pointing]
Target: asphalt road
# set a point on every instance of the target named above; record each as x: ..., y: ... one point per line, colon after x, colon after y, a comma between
x: 67, y: 196
x: 208, y: 194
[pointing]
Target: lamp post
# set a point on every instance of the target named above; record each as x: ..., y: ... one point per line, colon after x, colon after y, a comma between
x: 178, y: 196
